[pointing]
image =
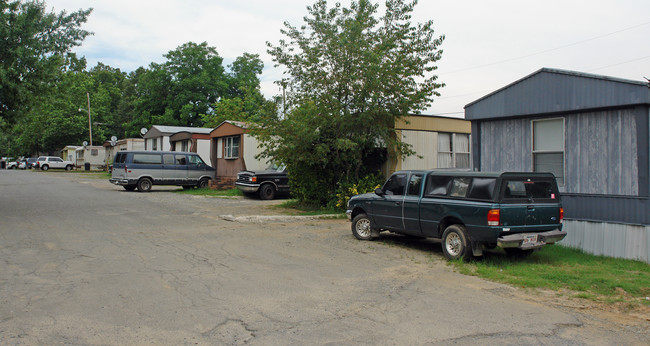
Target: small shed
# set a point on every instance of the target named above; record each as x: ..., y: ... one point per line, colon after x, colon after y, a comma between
x: 69, y: 153
x: 94, y: 155
x: 592, y: 132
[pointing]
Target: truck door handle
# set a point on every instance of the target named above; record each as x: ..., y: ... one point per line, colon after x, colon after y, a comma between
x: 398, y: 203
x: 530, y: 207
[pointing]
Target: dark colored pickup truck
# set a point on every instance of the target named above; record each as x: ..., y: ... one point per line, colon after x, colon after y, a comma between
x: 267, y: 184
x: 468, y: 211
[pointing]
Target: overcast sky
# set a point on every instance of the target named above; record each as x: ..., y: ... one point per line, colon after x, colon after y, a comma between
x: 488, y: 45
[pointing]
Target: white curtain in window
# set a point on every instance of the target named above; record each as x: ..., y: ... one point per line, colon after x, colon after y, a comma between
x: 444, y: 142
x: 461, y: 143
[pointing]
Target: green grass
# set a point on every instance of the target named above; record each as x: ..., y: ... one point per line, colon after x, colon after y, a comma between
x: 294, y: 207
x: 555, y: 267
x: 211, y: 193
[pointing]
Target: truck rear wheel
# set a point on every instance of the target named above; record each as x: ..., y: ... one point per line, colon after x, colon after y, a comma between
x: 456, y: 244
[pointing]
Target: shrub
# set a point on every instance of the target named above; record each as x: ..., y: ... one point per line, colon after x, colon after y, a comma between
x: 346, y: 190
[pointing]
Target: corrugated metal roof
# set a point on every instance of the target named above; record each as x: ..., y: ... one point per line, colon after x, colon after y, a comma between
x: 550, y: 91
x: 161, y: 130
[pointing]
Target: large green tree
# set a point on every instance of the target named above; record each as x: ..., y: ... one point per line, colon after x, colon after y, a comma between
x: 197, y: 80
x: 243, y: 100
x: 350, y: 75
x: 33, y: 42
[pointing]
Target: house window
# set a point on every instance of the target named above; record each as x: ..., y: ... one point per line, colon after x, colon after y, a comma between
x: 94, y: 152
x: 154, y: 144
x: 232, y: 147
x: 548, y: 147
x: 184, y: 146
x: 453, y: 150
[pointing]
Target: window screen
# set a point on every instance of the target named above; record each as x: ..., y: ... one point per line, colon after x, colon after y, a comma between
x: 548, y: 147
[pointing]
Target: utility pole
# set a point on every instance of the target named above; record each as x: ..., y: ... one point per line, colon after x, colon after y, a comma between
x: 90, y: 128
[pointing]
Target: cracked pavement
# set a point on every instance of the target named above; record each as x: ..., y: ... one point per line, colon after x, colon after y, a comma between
x: 86, y: 262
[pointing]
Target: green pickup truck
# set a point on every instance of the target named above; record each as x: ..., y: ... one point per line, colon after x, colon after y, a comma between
x: 468, y: 211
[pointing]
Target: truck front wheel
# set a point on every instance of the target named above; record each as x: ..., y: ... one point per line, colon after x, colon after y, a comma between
x: 455, y: 243
x: 362, y: 227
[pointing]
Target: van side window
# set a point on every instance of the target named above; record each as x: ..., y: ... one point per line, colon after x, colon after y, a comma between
x: 120, y: 158
x: 196, y: 159
x: 459, y: 187
x: 437, y: 186
x: 395, y: 184
x: 181, y: 160
x: 151, y: 159
x: 168, y: 159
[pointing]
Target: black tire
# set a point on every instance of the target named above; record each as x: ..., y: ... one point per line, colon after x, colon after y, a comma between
x: 68, y: 167
x: 517, y: 252
x: 144, y: 185
x: 362, y: 227
x: 45, y: 167
x: 267, y: 191
x: 456, y: 244
x: 129, y: 187
x: 203, y: 183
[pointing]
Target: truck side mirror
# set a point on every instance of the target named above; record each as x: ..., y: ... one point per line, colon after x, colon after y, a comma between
x: 379, y: 191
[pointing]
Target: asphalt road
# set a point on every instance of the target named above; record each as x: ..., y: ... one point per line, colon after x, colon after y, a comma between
x: 85, y: 262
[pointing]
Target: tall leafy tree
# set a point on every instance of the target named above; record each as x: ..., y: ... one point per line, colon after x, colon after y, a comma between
x: 197, y: 80
x: 351, y: 74
x: 243, y: 100
x: 32, y: 44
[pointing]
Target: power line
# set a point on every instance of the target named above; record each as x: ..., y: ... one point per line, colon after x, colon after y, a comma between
x: 548, y: 50
x: 620, y: 63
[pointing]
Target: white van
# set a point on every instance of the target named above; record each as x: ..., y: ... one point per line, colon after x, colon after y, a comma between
x: 143, y: 169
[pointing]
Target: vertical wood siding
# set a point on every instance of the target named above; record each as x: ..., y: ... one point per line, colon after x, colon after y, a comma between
x: 601, y: 153
x: 506, y: 145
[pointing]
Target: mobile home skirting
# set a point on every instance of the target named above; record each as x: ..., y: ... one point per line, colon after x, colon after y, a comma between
x: 609, y: 239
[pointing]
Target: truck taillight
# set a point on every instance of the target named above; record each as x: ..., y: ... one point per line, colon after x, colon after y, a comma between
x: 124, y: 168
x: 561, y: 214
x: 494, y: 217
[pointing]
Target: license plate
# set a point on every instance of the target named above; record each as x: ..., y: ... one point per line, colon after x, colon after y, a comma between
x: 530, y: 238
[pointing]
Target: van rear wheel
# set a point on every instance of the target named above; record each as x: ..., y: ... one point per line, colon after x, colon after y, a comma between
x: 144, y: 185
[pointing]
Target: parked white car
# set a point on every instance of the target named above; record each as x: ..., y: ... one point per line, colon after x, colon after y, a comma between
x: 47, y: 162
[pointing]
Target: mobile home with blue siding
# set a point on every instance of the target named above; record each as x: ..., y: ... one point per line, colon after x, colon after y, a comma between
x: 592, y: 132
